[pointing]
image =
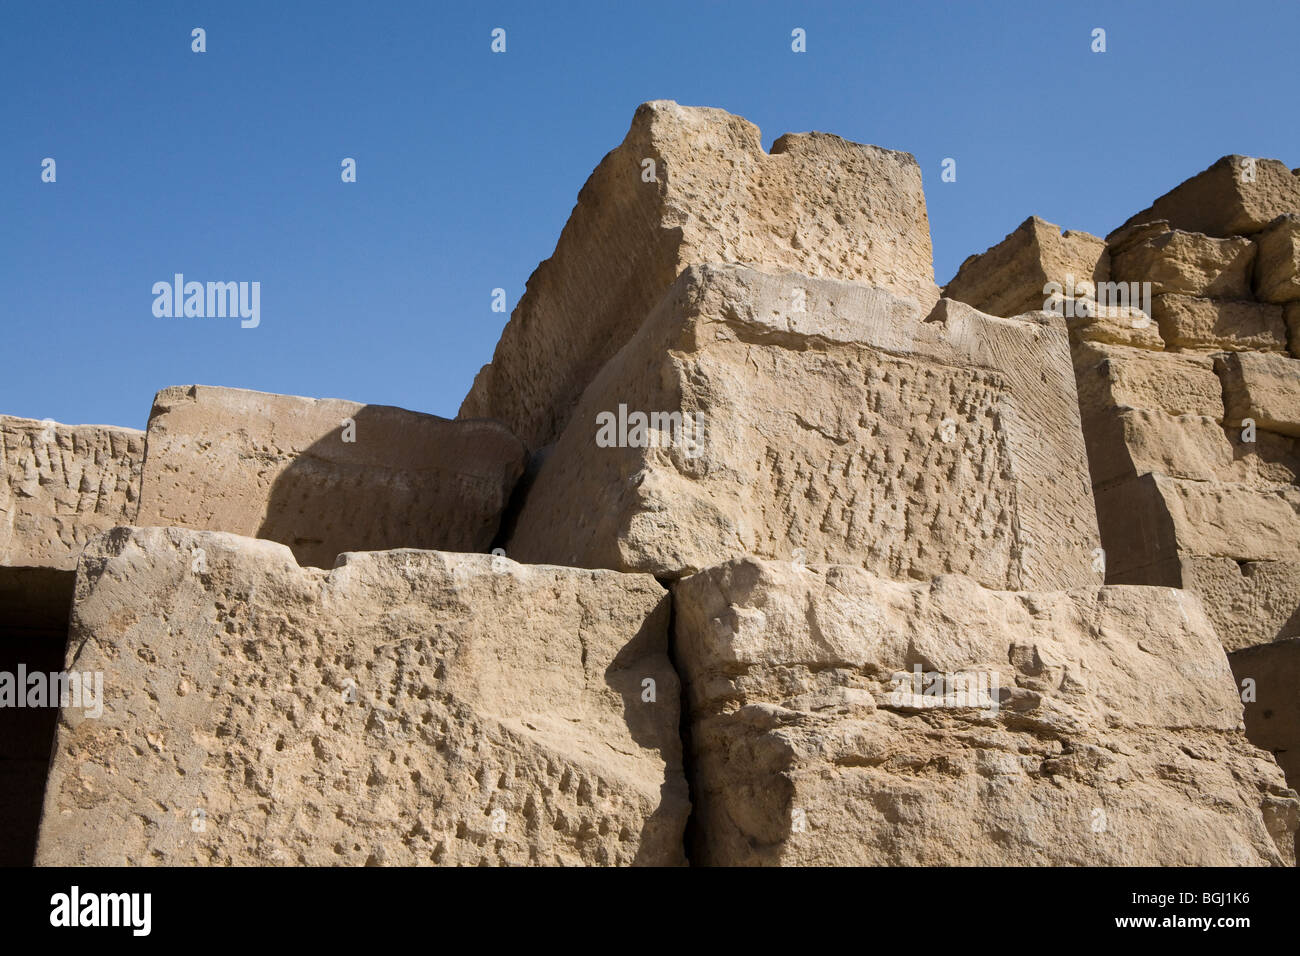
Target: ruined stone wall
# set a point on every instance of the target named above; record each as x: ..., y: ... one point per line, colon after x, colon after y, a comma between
x: 687, y: 186
x: 324, y: 476
x: 809, y: 565
x: 1191, y: 409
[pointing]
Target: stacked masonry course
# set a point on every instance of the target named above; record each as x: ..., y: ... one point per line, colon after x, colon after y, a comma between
x: 840, y: 479
x: 1191, y: 415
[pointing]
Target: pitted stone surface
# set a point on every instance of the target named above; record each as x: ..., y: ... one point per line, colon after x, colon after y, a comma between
x: 856, y: 430
x: 404, y: 708
x: 63, y: 484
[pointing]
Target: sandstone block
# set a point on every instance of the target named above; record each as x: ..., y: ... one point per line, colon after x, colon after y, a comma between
x: 837, y: 421
x: 1138, y: 535
x: 1009, y: 278
x: 1113, y: 376
x: 1226, y: 199
x: 1271, y: 459
x: 1264, y: 387
x: 1187, y: 322
x: 1277, y: 264
x: 293, y: 470
x: 811, y: 743
x: 1127, y: 442
x: 816, y: 204
x: 1117, y: 325
x: 1235, y: 521
x: 1249, y: 602
x: 1186, y: 263
x: 63, y: 484
x: 60, y: 485
x: 404, y: 708
x: 1153, y: 521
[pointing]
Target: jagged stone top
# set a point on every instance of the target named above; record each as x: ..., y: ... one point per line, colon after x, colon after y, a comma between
x: 1236, y: 195
x: 690, y: 185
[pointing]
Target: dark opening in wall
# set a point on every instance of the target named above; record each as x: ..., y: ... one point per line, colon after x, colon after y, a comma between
x: 34, y: 607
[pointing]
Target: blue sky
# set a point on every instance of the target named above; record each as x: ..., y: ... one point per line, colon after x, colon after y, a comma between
x: 225, y: 165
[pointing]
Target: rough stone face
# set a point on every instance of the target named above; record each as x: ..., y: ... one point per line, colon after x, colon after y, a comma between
x: 1128, y: 442
x: 404, y: 708
x: 1184, y: 263
x: 1112, y: 376
x: 1247, y: 601
x: 816, y: 204
x: 1137, y: 441
x: 1191, y: 323
x: 857, y: 430
x: 1221, y: 202
x: 1117, y: 325
x: 1009, y: 278
x: 1152, y: 525
x: 1261, y: 386
x: 1117, y: 739
x: 1182, y: 500
x: 1277, y: 264
x: 278, y: 467
x: 734, y: 368
x: 63, y: 484
x: 1240, y: 522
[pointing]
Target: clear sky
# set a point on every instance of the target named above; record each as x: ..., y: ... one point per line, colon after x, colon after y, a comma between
x: 225, y: 165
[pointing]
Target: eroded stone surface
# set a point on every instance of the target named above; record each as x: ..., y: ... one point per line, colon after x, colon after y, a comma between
x: 1232, y: 197
x: 1009, y: 278
x: 816, y: 204
x: 1246, y: 600
x: 60, y: 486
x: 1262, y: 387
x: 1187, y: 322
x: 1277, y: 265
x: 1183, y: 263
x: 856, y: 430
x: 294, y: 470
x: 63, y: 484
x: 404, y: 708
x: 1113, y: 376
x: 1117, y: 739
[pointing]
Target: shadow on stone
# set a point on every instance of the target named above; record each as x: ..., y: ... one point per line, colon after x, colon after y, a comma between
x: 34, y: 607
